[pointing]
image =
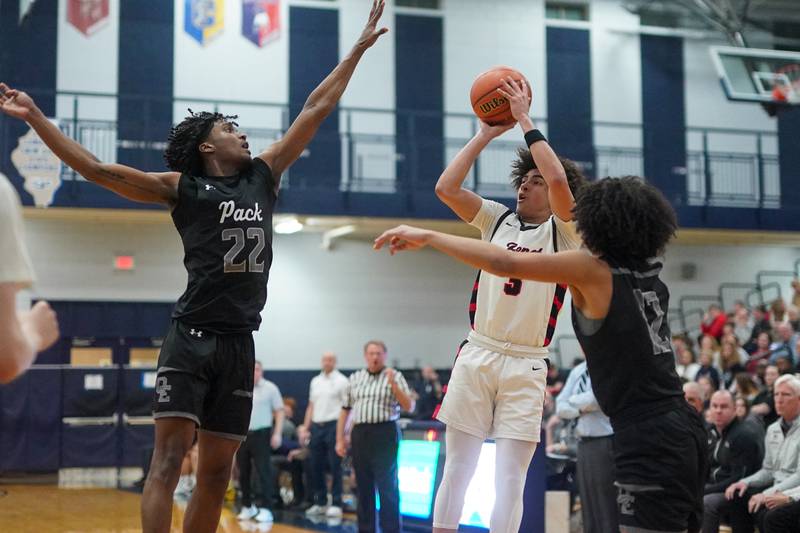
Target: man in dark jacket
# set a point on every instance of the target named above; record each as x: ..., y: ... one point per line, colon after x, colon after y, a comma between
x: 736, y: 450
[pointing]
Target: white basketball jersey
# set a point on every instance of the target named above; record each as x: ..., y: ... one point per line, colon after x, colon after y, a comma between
x: 517, y: 311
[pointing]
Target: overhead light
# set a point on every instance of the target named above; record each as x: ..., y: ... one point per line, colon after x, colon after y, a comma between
x: 288, y: 226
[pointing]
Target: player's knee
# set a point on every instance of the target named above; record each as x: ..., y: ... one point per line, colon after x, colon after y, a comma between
x: 167, y: 463
x: 215, y: 475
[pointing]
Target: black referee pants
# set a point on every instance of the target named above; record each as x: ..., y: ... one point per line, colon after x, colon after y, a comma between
x: 254, y: 457
x: 374, y: 450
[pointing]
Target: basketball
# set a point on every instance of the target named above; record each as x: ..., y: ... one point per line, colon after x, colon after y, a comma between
x: 487, y: 103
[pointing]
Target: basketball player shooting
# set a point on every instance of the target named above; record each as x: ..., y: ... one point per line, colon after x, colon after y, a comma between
x: 498, y: 382
x: 222, y: 202
x: 618, y: 313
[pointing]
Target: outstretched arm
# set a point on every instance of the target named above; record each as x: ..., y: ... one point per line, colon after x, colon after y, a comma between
x: 558, y: 192
x: 130, y: 183
x: 322, y: 100
x: 449, y: 188
x: 588, y: 277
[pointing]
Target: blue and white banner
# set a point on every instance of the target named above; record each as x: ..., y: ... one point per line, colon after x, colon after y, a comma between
x: 204, y: 19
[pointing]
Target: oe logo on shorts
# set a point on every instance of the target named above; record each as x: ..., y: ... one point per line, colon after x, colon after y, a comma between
x: 162, y: 389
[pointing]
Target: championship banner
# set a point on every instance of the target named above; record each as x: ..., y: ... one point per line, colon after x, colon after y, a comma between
x: 39, y: 167
x: 204, y: 19
x: 261, y: 21
x: 87, y: 16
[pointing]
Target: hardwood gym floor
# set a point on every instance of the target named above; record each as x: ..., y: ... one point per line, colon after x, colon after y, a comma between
x: 50, y: 509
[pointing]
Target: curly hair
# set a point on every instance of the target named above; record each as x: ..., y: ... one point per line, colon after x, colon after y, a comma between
x: 524, y: 163
x: 625, y: 219
x: 181, y: 153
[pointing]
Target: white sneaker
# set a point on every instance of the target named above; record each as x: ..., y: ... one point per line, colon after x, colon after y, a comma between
x: 334, y: 511
x: 185, y: 486
x: 315, y: 510
x: 247, y: 513
x: 263, y: 516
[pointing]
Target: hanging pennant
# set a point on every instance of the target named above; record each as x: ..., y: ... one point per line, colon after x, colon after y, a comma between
x: 204, y: 19
x: 87, y: 16
x: 261, y: 21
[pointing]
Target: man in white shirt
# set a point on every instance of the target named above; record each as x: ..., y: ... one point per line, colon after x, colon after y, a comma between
x: 23, y: 334
x: 325, y: 397
x: 254, y: 455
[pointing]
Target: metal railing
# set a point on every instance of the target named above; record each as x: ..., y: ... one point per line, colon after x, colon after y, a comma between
x: 725, y: 167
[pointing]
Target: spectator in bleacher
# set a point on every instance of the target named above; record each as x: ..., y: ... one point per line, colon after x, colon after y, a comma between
x: 760, y: 324
x: 595, y: 465
x: 694, y: 395
x: 264, y: 434
x: 753, y: 498
x: 713, y: 321
x: 375, y: 395
x: 686, y: 366
x: 794, y: 317
x: 764, y: 402
x: 325, y: 398
x: 784, y: 365
x: 22, y: 334
x: 761, y: 351
x: 777, y: 313
x: 730, y: 362
x: 429, y: 393
x: 707, y: 387
x: 745, y: 387
x: 742, y: 324
x: 742, y: 408
x: 709, y: 344
x: 785, y: 343
x: 708, y: 369
x: 736, y: 448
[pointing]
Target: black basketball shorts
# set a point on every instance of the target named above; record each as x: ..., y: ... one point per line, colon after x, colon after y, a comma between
x: 206, y: 377
x: 661, y: 467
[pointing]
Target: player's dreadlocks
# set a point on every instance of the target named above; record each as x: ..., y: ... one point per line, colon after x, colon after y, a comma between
x: 625, y: 218
x: 524, y: 163
x: 182, y: 154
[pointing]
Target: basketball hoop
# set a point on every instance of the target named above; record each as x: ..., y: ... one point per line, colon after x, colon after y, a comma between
x: 787, y: 85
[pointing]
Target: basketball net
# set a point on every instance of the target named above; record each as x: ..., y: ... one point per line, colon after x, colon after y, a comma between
x: 787, y: 85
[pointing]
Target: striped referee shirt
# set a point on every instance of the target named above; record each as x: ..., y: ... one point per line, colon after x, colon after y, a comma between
x: 370, y: 397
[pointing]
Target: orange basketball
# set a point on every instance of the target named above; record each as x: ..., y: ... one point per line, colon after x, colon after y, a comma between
x: 487, y: 103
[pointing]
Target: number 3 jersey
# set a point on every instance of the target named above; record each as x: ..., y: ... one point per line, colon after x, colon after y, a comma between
x: 225, y: 224
x: 520, y: 312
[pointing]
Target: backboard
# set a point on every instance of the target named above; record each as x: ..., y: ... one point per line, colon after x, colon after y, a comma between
x: 758, y: 75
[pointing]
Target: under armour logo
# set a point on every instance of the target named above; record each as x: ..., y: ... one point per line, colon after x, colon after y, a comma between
x: 162, y: 389
x: 196, y: 333
x: 210, y: 188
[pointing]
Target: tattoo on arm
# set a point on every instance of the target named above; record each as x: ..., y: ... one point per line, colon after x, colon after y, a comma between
x: 119, y: 178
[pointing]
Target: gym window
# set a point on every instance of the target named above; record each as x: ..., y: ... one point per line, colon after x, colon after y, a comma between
x: 566, y: 11
x: 419, y: 4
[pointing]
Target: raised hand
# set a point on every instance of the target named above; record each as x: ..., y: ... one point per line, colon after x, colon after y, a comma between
x: 518, y: 96
x: 370, y: 33
x: 492, y: 132
x: 15, y: 103
x: 402, y: 238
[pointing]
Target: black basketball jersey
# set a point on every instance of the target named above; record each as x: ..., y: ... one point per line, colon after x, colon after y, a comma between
x: 225, y: 224
x: 630, y: 356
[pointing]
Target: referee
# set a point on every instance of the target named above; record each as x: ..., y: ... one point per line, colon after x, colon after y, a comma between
x: 374, y: 399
